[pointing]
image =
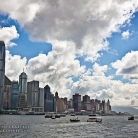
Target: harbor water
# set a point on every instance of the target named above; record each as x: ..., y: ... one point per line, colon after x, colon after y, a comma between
x: 37, y: 126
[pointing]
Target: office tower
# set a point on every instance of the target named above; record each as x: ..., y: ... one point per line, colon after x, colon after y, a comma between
x: 86, y: 103
x: 41, y: 97
x: 77, y: 102
x: 49, y: 100
x: 70, y: 104
x: 32, y: 94
x: 23, y: 90
x: 7, y: 97
x: 14, y: 95
x: 60, y: 106
x: 103, y: 106
x: 2, y: 71
x: 56, y: 96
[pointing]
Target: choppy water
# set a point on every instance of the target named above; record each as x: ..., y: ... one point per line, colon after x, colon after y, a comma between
x: 40, y: 127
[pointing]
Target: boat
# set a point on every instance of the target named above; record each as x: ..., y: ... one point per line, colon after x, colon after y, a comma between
x: 131, y: 118
x: 74, y: 120
x: 53, y: 116
x: 57, y: 115
x: 62, y: 115
x: 94, y: 118
x: 48, y: 115
x: 72, y: 115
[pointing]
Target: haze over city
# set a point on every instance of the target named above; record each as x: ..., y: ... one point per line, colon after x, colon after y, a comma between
x: 86, y: 47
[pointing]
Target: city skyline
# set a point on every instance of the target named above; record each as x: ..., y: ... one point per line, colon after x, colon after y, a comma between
x: 88, y: 49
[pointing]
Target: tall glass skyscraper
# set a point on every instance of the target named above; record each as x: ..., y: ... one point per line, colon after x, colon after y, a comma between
x: 14, y: 95
x: 49, y: 100
x: 32, y: 94
x: 2, y: 71
x: 23, y: 90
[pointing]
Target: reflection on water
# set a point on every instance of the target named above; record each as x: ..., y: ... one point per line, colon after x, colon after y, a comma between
x: 40, y: 127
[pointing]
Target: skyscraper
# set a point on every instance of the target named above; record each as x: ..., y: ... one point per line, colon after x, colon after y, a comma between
x: 32, y: 93
x: 2, y: 71
x: 49, y: 100
x: 14, y: 95
x: 23, y: 90
x: 77, y: 102
x: 86, y: 102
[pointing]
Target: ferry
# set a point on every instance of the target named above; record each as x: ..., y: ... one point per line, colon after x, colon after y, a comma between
x: 94, y: 118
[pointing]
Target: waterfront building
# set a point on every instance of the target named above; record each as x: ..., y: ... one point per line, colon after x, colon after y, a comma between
x: 41, y: 97
x: 77, y: 102
x: 70, y: 104
x: 14, y: 95
x: 7, y: 97
x: 2, y: 71
x: 103, y: 106
x: 86, y: 103
x: 32, y: 94
x: 56, y: 96
x: 60, y: 106
x: 23, y: 90
x: 49, y: 100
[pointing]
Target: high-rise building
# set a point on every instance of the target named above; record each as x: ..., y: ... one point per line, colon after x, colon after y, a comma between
x: 77, y: 102
x: 7, y: 97
x: 86, y: 103
x: 60, y: 106
x: 32, y: 94
x: 14, y: 95
x: 56, y: 96
x: 2, y: 71
x: 41, y: 97
x: 49, y: 100
x: 23, y: 90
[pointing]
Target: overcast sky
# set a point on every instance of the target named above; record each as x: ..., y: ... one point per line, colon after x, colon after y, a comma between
x: 82, y: 46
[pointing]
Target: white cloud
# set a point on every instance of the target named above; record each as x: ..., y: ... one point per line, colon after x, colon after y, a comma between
x: 102, y: 87
x: 126, y: 34
x: 7, y: 34
x: 128, y: 66
x: 88, y: 26
x: 80, y: 27
x: 14, y: 65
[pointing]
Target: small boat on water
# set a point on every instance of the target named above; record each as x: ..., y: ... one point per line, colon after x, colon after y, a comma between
x: 62, y: 115
x: 72, y: 115
x: 53, y: 116
x: 57, y: 115
x: 131, y: 118
x: 48, y: 115
x: 74, y: 120
x: 94, y: 118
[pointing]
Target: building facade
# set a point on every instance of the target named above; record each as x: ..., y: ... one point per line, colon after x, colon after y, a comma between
x: 49, y: 100
x: 14, y: 95
x: 7, y: 97
x: 86, y: 103
x: 32, y: 94
x: 23, y: 90
x: 2, y: 71
x: 77, y: 102
x: 60, y: 106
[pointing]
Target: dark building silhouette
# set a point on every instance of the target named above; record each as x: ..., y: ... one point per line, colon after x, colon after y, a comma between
x: 49, y: 100
x: 2, y: 71
x: 77, y: 102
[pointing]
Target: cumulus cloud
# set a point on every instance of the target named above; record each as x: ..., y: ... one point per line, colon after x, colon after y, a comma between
x: 7, y: 34
x: 74, y: 28
x: 88, y: 26
x: 14, y: 65
x: 126, y: 34
x: 128, y: 66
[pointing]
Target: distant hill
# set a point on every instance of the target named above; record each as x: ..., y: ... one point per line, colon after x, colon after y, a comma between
x: 123, y: 109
